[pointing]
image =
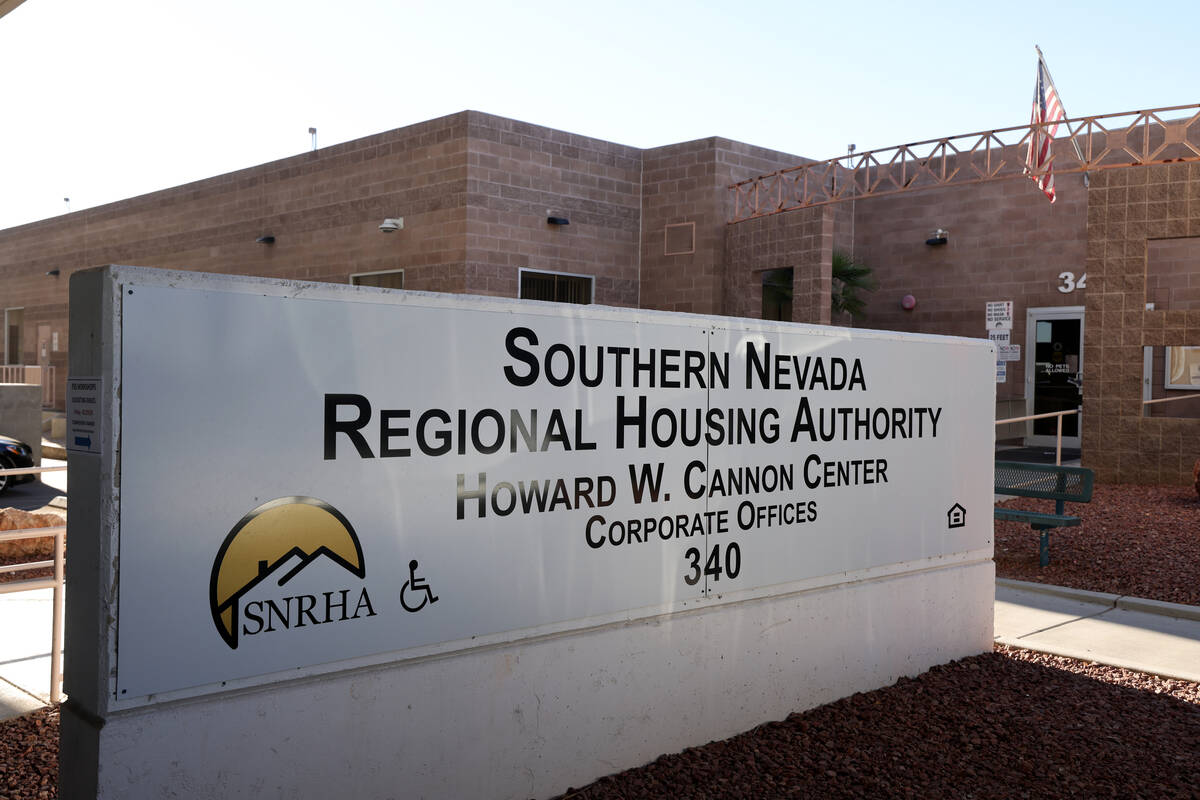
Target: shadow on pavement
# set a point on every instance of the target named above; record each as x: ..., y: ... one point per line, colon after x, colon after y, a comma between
x: 30, y: 496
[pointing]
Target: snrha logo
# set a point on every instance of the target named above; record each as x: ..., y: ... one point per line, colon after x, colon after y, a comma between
x: 276, y: 541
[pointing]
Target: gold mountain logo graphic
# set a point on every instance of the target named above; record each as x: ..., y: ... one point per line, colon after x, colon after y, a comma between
x: 289, y: 531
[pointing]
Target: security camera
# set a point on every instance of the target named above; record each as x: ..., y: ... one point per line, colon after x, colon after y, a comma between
x: 392, y: 224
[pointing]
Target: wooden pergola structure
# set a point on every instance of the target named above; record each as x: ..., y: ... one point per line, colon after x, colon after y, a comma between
x: 1084, y: 144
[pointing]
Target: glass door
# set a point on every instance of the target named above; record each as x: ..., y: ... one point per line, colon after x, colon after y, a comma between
x: 1053, y: 373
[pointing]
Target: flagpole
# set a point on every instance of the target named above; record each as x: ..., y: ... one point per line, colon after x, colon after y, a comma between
x: 1050, y: 78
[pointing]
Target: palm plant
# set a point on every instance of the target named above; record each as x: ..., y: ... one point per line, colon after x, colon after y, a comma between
x: 849, y: 278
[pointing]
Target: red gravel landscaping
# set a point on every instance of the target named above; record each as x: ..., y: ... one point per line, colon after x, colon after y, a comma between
x: 29, y: 756
x: 1007, y: 724
x: 1142, y: 541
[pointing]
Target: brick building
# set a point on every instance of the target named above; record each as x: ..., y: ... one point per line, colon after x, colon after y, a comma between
x: 483, y: 198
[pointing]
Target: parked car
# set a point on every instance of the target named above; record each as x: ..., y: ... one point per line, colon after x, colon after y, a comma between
x: 14, y: 454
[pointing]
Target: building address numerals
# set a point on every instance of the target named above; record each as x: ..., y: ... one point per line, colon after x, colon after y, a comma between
x: 712, y: 568
x: 1069, y: 284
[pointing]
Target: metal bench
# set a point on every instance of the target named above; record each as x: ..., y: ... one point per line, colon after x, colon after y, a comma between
x: 1047, y: 482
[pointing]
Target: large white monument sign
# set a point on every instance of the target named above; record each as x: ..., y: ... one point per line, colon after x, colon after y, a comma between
x: 320, y: 480
x: 314, y: 480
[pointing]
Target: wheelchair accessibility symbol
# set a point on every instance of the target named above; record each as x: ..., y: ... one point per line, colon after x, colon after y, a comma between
x: 415, y: 586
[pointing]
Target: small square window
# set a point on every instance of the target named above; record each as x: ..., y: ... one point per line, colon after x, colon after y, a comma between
x: 679, y: 239
x: 390, y: 279
x: 556, y: 287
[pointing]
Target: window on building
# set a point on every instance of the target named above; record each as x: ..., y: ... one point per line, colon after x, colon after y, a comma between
x: 14, y: 318
x: 557, y: 287
x: 1172, y: 273
x: 777, y: 294
x: 679, y: 239
x: 390, y: 279
x: 1171, y: 381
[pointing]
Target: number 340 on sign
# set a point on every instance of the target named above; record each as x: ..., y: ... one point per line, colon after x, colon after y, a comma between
x: 732, y: 562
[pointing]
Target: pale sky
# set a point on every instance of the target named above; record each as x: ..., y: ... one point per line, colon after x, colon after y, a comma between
x: 107, y: 99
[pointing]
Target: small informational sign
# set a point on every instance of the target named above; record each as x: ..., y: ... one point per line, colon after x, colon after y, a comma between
x: 1000, y: 336
x: 1008, y: 352
x: 1001, y: 372
x: 83, y: 415
x: 1000, y: 315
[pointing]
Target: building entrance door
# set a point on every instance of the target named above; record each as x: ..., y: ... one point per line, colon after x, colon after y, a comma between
x: 13, y: 321
x: 1053, y: 372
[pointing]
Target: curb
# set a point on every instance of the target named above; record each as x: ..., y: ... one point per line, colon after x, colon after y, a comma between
x: 1117, y: 601
x: 1176, y: 610
x: 1089, y: 656
x: 53, y: 450
x: 1080, y: 595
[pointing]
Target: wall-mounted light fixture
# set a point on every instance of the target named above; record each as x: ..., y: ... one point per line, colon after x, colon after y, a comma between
x: 558, y: 221
x: 392, y: 224
x: 939, y: 237
x: 265, y: 239
x: 54, y: 273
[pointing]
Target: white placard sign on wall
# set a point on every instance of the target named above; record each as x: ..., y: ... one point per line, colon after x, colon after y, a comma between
x: 84, y: 413
x: 1000, y: 314
x: 354, y: 480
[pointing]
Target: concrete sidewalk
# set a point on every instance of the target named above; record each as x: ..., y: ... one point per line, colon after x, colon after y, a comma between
x: 1121, y: 631
x: 1143, y: 635
x: 25, y: 619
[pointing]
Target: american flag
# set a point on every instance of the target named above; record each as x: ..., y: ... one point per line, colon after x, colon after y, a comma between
x: 1046, y: 109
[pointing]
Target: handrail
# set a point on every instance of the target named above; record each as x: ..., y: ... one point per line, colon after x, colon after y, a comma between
x: 21, y: 567
x: 56, y: 629
x: 32, y: 470
x: 32, y: 533
x: 1171, y: 399
x: 1059, y: 414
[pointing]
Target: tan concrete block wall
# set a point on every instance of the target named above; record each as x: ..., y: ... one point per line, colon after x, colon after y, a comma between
x: 680, y: 185
x: 1007, y: 242
x: 1173, y: 273
x: 475, y: 189
x: 1127, y: 210
x: 689, y: 182
x: 518, y: 175
x: 802, y: 240
x: 324, y: 209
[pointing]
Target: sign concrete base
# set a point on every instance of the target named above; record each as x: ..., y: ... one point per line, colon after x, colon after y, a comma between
x: 530, y: 719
